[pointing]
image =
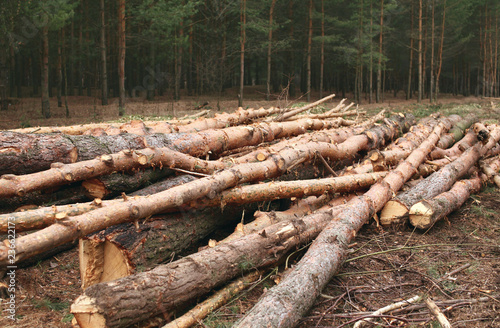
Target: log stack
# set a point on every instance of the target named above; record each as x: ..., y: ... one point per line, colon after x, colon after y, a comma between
x: 157, y: 191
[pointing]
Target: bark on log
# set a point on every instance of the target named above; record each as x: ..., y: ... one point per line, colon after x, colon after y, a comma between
x: 396, y: 210
x: 284, y: 304
x: 489, y: 168
x: 26, y: 153
x: 125, y: 249
x: 109, y: 186
x: 133, y: 209
x: 61, y: 174
x: 457, y: 132
x: 427, y: 212
x: 465, y: 143
x: 32, y: 219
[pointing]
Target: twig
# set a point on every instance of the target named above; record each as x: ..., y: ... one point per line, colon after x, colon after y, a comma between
x: 437, y: 313
x: 199, y: 174
x: 385, y: 309
x: 373, y: 316
x: 328, y: 168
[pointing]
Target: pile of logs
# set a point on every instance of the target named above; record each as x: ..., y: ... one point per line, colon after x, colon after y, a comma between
x: 136, y: 196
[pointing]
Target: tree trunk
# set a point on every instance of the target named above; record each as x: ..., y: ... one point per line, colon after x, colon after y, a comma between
x: 370, y: 78
x: 27, y: 153
x: 104, y: 70
x: 178, y: 63
x: 132, y: 209
x: 121, y: 56
x: 395, y: 211
x: 128, y: 248
x: 269, y: 51
x: 410, y: 66
x: 432, y: 85
x: 284, y: 304
x: 420, y: 73
x: 109, y: 186
x: 243, y: 19
x: 59, y: 69
x: 45, y: 72
x: 309, y: 50
x: 440, y: 53
x: 379, y: 66
x: 322, y: 55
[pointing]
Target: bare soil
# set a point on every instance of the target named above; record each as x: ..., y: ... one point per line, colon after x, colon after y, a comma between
x: 385, y: 266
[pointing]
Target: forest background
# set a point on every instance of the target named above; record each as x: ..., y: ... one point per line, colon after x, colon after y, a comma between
x: 121, y: 49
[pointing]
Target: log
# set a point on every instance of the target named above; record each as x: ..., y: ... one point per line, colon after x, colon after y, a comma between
x: 465, y: 143
x: 489, y: 170
x: 125, y: 249
x: 457, y: 132
x: 32, y: 219
x: 27, y: 153
x: 284, y: 304
x: 134, y: 209
x: 109, y: 186
x: 424, y: 214
x: 61, y: 174
x: 396, y: 210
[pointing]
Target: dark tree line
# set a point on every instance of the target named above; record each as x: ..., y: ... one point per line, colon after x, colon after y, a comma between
x: 123, y: 48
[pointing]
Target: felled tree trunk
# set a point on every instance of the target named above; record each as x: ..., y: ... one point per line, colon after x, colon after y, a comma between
x: 124, y: 249
x: 26, y: 153
x: 427, y: 212
x: 134, y: 209
x: 284, y: 304
x: 112, y: 185
x: 396, y: 210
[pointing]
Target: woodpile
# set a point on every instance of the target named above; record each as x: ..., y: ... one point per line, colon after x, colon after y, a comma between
x: 154, y: 191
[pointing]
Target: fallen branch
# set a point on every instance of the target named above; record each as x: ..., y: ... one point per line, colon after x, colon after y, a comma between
x: 387, y: 308
x: 437, y: 313
x: 292, y: 112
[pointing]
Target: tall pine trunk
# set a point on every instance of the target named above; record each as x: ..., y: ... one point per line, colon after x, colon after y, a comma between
x: 269, y: 50
x: 322, y: 60
x: 379, y: 68
x: 243, y: 19
x: 432, y: 86
x: 104, y: 71
x: 440, y: 53
x: 410, y: 69
x: 45, y: 72
x: 309, y: 50
x: 419, y: 99
x: 121, y: 56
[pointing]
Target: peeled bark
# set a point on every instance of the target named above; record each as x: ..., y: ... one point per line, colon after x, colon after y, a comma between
x: 427, y: 212
x: 134, y: 209
x: 284, y: 304
x: 396, y: 210
x: 125, y: 249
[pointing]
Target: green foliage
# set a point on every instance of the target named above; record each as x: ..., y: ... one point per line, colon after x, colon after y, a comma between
x: 51, y: 305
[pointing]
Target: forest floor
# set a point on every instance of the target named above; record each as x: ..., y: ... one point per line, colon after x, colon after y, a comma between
x: 385, y: 266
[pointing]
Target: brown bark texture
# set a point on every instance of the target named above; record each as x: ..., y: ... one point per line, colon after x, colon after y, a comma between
x: 284, y: 304
x: 133, y: 209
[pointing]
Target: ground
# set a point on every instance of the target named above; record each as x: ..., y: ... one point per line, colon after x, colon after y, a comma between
x: 384, y: 266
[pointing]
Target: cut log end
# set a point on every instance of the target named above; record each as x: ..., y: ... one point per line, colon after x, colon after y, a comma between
x: 101, y: 262
x: 421, y: 215
x: 393, y: 212
x: 87, y: 313
x: 95, y: 188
